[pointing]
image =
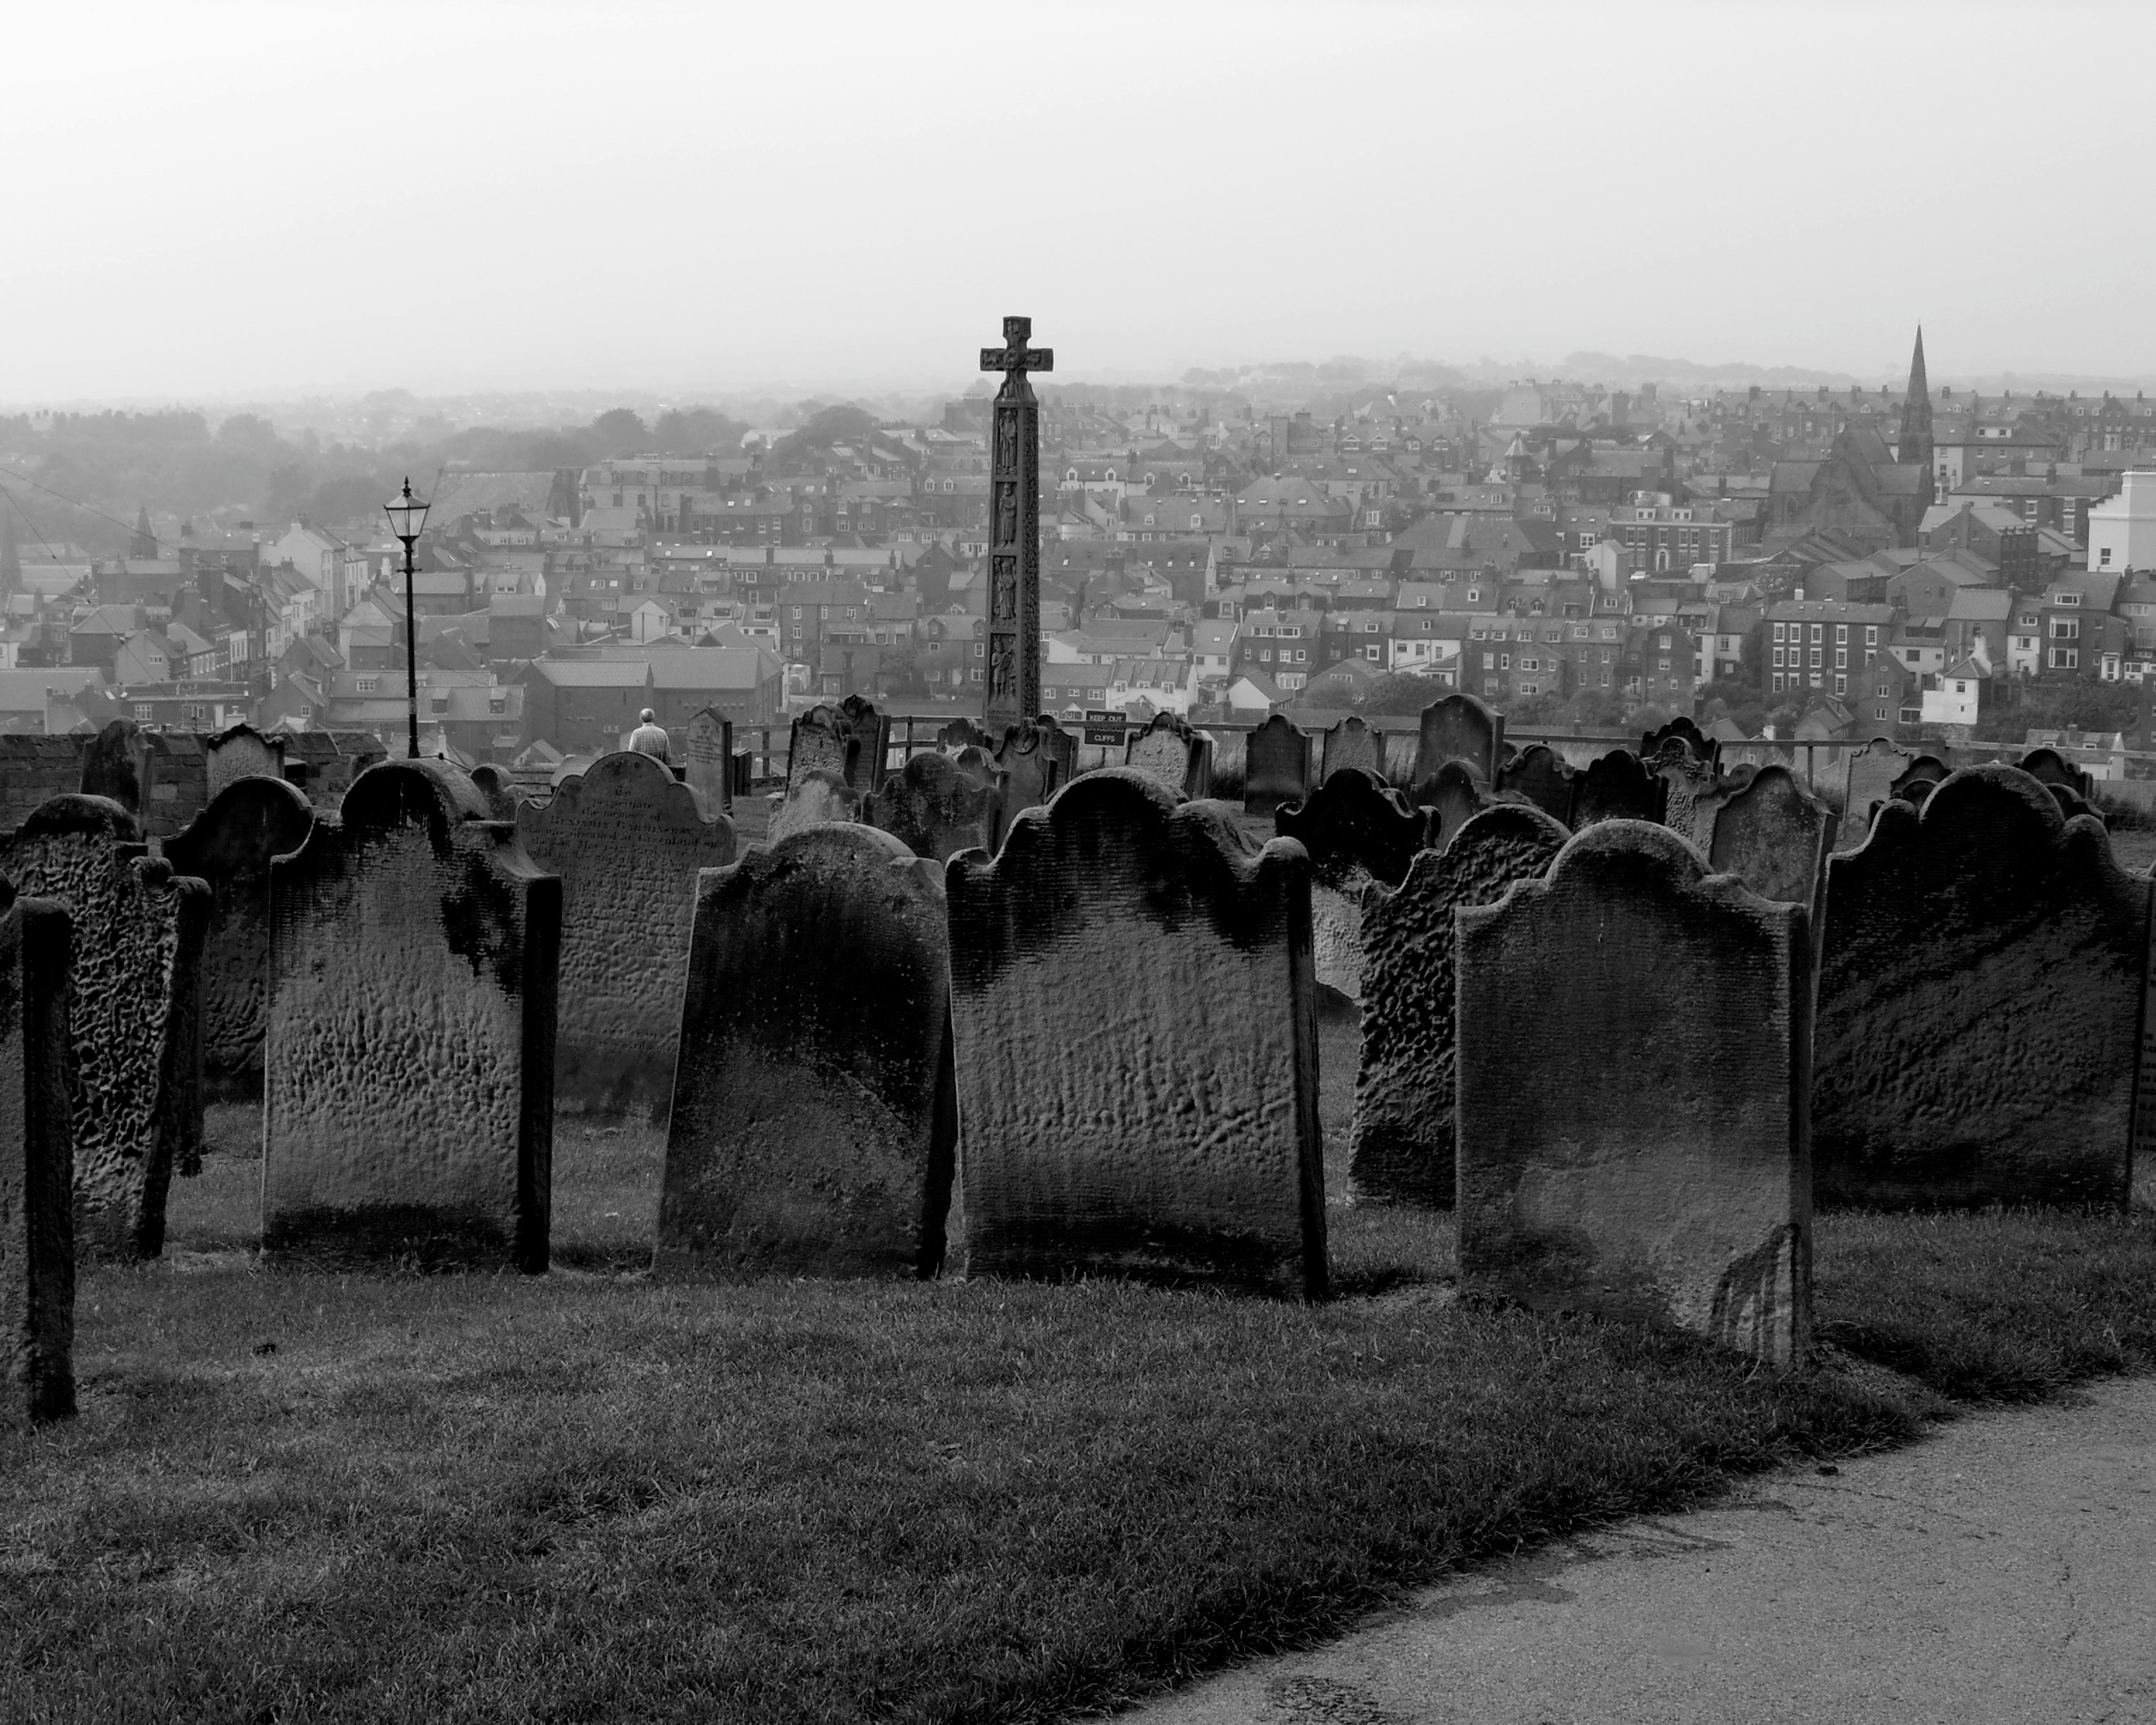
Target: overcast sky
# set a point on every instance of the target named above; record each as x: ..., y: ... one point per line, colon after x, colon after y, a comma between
x: 214, y: 201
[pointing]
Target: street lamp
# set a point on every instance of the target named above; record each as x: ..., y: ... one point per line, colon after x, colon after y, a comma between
x: 407, y: 515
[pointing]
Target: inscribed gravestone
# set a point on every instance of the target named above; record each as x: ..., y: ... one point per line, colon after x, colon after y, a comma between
x: 240, y: 752
x: 708, y: 754
x: 1275, y: 766
x: 823, y: 741
x: 812, y: 800
x: 407, y: 1069
x: 1404, y: 1084
x: 936, y: 806
x: 627, y: 840
x: 1617, y: 785
x: 36, y: 1228
x: 1351, y: 742
x: 815, y: 1120
x: 1458, y: 727
x: 1135, y: 1017
x: 872, y: 729
x: 135, y: 1018
x: 1980, y: 978
x: 1657, y: 1165
x: 1169, y: 751
x: 229, y: 847
x: 1357, y: 830
x: 1540, y: 775
x: 1686, y: 730
x: 1870, y: 781
x: 1031, y: 773
x: 1689, y: 791
x: 1776, y: 838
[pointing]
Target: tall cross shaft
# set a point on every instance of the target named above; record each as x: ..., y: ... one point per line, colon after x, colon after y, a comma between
x: 1012, y: 691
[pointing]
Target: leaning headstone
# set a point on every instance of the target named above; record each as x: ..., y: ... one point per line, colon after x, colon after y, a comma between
x: 1538, y: 773
x: 228, y: 846
x: 136, y: 1082
x: 2048, y: 767
x: 1458, y: 727
x: 1404, y: 1084
x: 1869, y: 782
x: 1689, y: 791
x: 1357, y: 830
x: 813, y: 800
x: 1169, y: 751
x: 1275, y: 766
x: 1136, y: 1024
x: 627, y: 840
x: 409, y: 1083
x: 115, y: 766
x: 1980, y: 984
x: 1654, y: 1164
x: 240, y: 752
x: 936, y: 806
x: 1617, y: 785
x: 815, y: 1125
x: 37, y: 1224
x: 708, y: 758
x: 499, y: 788
x: 1350, y: 742
x: 1776, y: 838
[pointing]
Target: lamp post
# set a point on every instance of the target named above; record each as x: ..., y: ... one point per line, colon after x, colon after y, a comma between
x: 407, y: 515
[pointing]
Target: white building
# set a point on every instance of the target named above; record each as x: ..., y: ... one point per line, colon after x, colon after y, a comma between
x: 1950, y: 698
x: 2123, y: 529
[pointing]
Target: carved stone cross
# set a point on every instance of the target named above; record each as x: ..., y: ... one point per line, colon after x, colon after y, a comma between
x: 1014, y: 357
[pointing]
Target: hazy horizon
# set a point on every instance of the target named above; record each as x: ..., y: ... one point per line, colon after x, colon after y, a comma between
x: 236, y: 203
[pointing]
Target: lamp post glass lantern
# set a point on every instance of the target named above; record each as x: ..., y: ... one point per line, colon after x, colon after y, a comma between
x: 408, y: 517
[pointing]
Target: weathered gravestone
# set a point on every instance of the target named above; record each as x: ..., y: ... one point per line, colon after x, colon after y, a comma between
x: 499, y: 788
x: 1681, y: 729
x: 627, y: 840
x: 1170, y: 752
x: 1921, y: 777
x: 1655, y: 1164
x: 1617, y: 785
x: 1868, y: 781
x: 871, y: 728
x: 1350, y: 742
x: 1458, y: 727
x: 329, y: 762
x: 708, y: 761
x: 115, y: 766
x: 37, y: 1225
x: 240, y: 752
x: 936, y: 806
x: 2071, y: 802
x: 228, y: 846
x: 1275, y: 766
x: 135, y: 1018
x: 822, y: 741
x: 1538, y: 773
x: 1453, y: 795
x: 962, y: 732
x: 1032, y: 773
x: 1357, y: 830
x: 409, y: 1083
x: 814, y: 1121
x: 1980, y: 981
x: 1062, y: 748
x: 1691, y: 791
x: 1404, y: 1084
x: 1136, y: 1024
x: 2048, y: 766
x: 1776, y: 838
x: 812, y: 800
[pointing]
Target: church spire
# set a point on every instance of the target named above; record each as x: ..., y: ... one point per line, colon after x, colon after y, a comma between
x: 1916, y: 445
x: 145, y: 545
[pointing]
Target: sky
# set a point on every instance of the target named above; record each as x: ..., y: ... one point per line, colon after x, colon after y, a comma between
x: 217, y: 201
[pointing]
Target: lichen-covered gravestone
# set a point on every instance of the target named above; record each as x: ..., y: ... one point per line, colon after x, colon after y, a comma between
x: 1654, y: 1164
x: 409, y: 1083
x: 1351, y: 742
x: 627, y: 840
x: 1357, y: 830
x: 1275, y: 766
x: 815, y: 1125
x: 1981, y: 985
x: 1136, y: 1023
x: 936, y: 806
x: 812, y: 800
x: 136, y: 1022
x: 228, y: 846
x: 823, y: 741
x: 1404, y: 1084
x: 1691, y: 791
x: 1616, y: 786
x: 1458, y: 727
x: 241, y: 753
x: 1168, y: 752
x: 707, y: 753
x: 1776, y: 838
x: 1538, y: 773
x: 37, y: 1226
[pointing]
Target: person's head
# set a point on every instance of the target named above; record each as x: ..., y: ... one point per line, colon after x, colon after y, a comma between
x: 649, y: 715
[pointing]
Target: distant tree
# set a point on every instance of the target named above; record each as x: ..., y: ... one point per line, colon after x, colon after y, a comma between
x: 1595, y: 706
x: 1537, y: 709
x: 248, y: 430
x: 1398, y: 693
x: 621, y: 431
x: 1728, y: 698
x: 687, y: 430
x: 826, y: 426
x: 2058, y: 704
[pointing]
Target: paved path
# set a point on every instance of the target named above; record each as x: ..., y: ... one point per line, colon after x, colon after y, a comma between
x: 2002, y: 1569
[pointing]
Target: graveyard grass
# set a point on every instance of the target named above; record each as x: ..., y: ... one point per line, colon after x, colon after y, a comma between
x: 582, y: 1496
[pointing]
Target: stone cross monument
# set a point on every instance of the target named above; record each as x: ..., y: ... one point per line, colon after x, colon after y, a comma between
x: 1013, y: 694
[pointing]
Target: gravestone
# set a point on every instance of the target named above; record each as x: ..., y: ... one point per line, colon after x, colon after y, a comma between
x: 1275, y: 766
x: 815, y: 1125
x: 1168, y: 750
x: 115, y: 766
x: 823, y: 741
x: 1031, y: 772
x: 240, y: 752
x: 1458, y: 727
x: 2071, y: 802
x: 812, y: 800
x: 1404, y: 1083
x: 1454, y: 796
x: 1357, y: 830
x: 331, y: 762
x: 1776, y: 838
x: 135, y: 1018
x: 2048, y: 766
x: 1653, y: 1163
x: 936, y: 806
x: 1683, y: 730
x: 1350, y: 742
x: 499, y: 789
x: 229, y: 847
x: 1919, y: 779
x: 408, y: 1069
x: 1980, y: 981
x: 708, y: 760
x: 627, y: 840
x: 1689, y: 791
x: 1869, y: 782
x: 37, y: 1225
x: 1538, y: 773
x: 962, y: 733
x: 1617, y: 785
x: 871, y: 729
x: 1062, y: 747
x: 1135, y: 1027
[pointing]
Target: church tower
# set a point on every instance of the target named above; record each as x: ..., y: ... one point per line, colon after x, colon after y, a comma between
x: 1916, y: 445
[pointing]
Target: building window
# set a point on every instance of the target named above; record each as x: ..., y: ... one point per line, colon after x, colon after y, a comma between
x: 1841, y: 659
x: 2066, y: 658
x: 1817, y: 657
x: 367, y: 685
x: 1841, y: 685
